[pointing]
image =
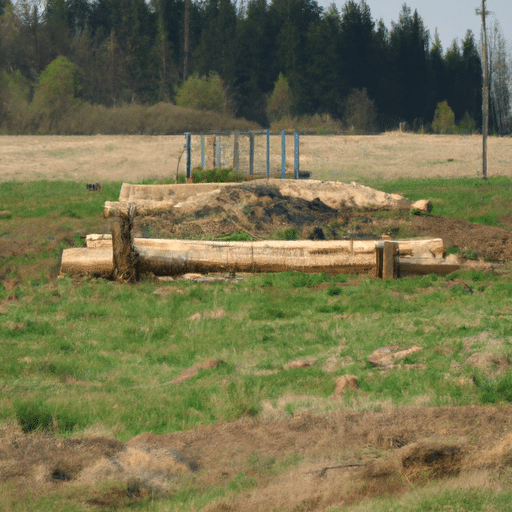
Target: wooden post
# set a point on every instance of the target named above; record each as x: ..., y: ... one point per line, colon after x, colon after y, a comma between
x: 210, y: 152
x: 485, y: 93
x: 386, y: 260
x: 125, y: 257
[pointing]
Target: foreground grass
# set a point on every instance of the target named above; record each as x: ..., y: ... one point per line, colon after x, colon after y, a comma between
x: 88, y: 356
x: 83, y: 353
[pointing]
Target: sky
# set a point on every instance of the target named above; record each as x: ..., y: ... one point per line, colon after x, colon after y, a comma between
x: 452, y: 18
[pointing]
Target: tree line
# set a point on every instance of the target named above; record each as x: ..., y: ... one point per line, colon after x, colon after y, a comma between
x: 342, y: 64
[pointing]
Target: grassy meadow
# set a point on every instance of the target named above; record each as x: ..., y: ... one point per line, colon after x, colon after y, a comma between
x: 82, y: 356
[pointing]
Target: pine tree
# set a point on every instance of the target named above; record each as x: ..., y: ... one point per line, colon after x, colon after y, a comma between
x: 438, y: 84
x: 472, y: 87
x: 409, y: 44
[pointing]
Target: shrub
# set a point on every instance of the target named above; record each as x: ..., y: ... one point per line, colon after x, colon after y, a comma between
x: 287, y: 234
x: 14, y: 101
x: 323, y: 124
x: 360, y: 112
x: 444, y: 119
x: 218, y: 175
x: 204, y: 93
x: 467, y: 125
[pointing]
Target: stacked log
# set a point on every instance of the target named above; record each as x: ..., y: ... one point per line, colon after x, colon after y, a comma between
x: 174, y: 257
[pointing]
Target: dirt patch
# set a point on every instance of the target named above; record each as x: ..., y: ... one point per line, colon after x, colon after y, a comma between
x: 262, y: 210
x: 495, y: 244
x: 321, y: 461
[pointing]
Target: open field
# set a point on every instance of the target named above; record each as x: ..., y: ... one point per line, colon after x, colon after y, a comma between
x: 223, y: 396
x: 346, y: 158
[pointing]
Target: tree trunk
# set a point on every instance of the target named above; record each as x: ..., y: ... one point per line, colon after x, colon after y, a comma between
x: 125, y: 257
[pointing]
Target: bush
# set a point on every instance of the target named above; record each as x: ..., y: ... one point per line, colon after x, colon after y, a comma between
x: 467, y: 125
x: 160, y: 119
x: 444, y: 119
x: 218, y: 175
x: 287, y: 234
x: 323, y: 124
x: 360, y: 112
x: 14, y: 102
x: 204, y: 93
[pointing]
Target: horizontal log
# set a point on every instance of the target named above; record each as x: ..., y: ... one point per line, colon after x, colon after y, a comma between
x: 174, y: 257
x: 433, y: 247
x: 80, y: 261
x: 422, y: 266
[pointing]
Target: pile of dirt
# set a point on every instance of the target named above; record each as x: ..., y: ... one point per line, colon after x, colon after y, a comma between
x: 322, y: 461
x: 317, y: 211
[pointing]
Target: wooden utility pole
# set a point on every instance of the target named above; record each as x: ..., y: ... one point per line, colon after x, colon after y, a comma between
x: 485, y: 91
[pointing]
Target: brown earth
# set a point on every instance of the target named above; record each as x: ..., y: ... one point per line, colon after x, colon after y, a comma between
x: 307, y: 462
x: 262, y: 211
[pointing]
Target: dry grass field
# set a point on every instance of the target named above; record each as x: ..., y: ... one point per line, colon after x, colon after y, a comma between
x: 134, y: 158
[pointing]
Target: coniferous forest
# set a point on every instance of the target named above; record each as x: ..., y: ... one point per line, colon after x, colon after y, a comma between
x: 254, y: 59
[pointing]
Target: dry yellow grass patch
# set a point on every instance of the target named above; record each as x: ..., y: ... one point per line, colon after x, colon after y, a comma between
x: 133, y: 158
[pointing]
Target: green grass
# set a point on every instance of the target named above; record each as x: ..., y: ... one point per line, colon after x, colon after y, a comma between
x: 437, y: 499
x: 55, y: 338
x: 473, y: 199
x: 78, y: 354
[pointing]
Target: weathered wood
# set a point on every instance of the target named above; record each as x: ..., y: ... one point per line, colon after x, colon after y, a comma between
x: 92, y: 262
x: 125, y: 259
x: 386, y: 253
x: 174, y: 257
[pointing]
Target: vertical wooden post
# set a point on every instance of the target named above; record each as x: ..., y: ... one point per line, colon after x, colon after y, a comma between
x: 268, y: 153
x: 251, y: 153
x: 125, y: 258
x: 203, y: 155
x: 485, y: 94
x: 210, y: 152
x: 236, y: 152
x: 296, y: 155
x: 386, y: 254
x: 283, y: 154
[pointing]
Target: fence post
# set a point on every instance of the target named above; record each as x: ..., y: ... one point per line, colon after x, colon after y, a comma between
x: 236, y: 156
x: 283, y: 154
x: 203, y: 155
x: 268, y: 153
x: 188, y: 137
x: 218, y: 151
x: 296, y: 155
x: 251, y: 153
x: 386, y: 260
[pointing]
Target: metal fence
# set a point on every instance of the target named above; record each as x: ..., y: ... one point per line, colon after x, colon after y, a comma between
x: 248, y: 152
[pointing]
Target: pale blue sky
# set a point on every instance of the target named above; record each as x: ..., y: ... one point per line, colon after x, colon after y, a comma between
x: 452, y: 18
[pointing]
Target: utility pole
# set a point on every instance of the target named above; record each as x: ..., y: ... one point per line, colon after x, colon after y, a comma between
x: 485, y: 91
